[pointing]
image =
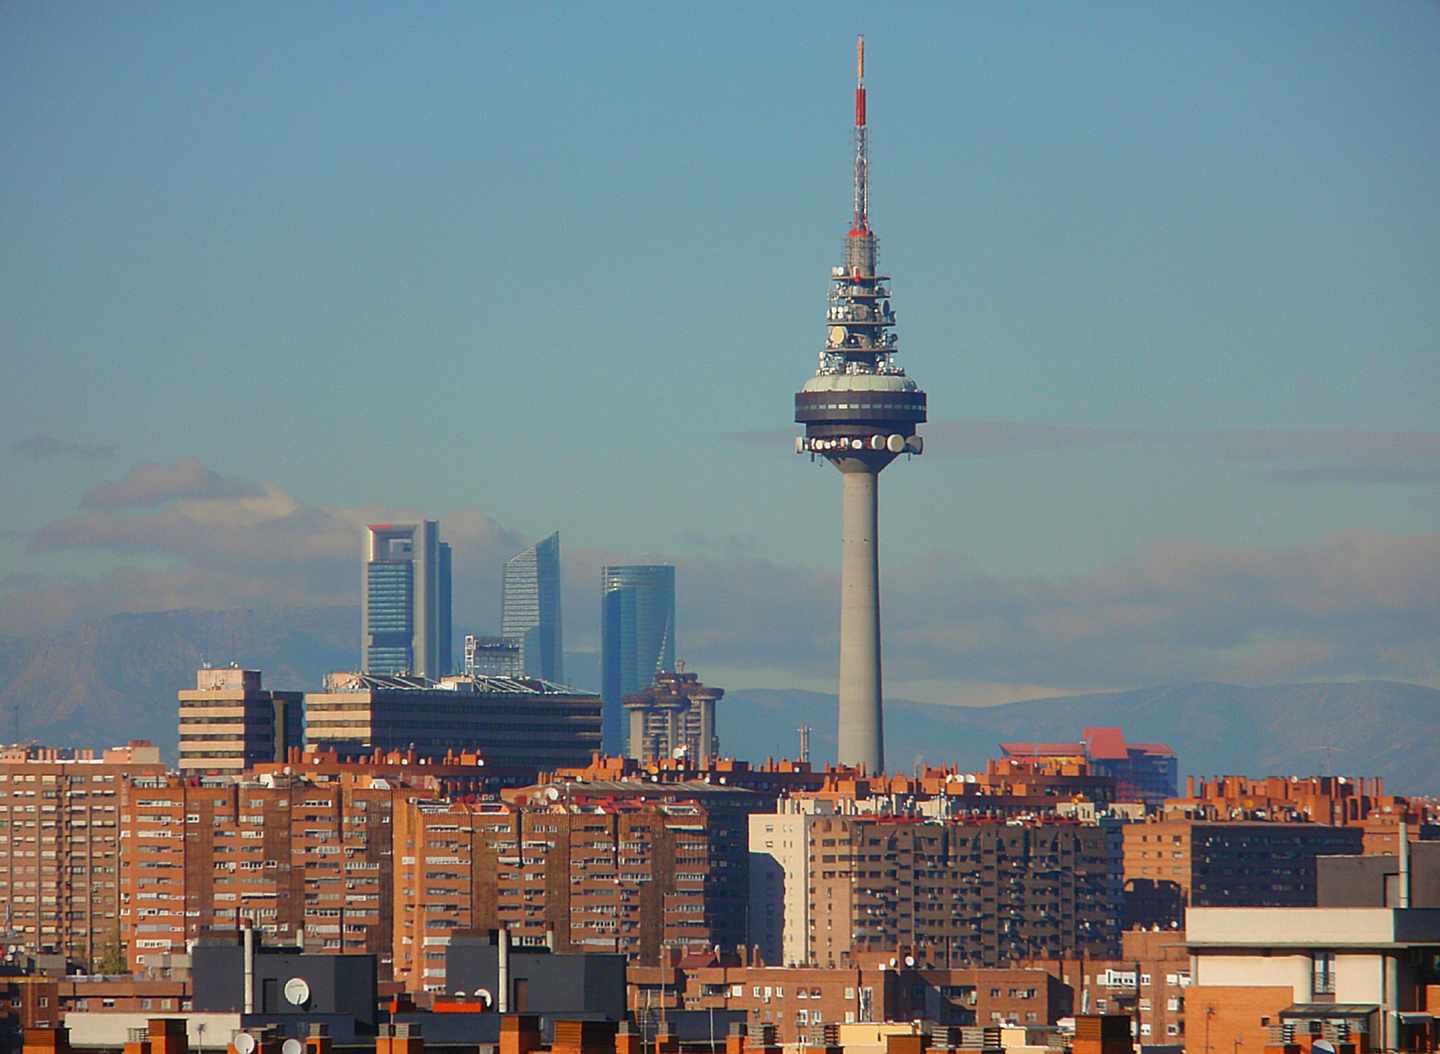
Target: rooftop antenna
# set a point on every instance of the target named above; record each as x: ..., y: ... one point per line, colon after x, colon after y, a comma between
x: 804, y: 731
x: 861, y: 221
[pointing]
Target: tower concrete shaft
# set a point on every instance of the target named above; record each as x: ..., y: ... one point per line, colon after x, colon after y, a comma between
x: 862, y: 729
x: 860, y: 412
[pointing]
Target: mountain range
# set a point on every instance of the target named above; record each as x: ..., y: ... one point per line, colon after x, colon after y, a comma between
x: 111, y: 679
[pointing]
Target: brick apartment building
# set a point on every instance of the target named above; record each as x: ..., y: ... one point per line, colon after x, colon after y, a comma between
x: 1141, y: 771
x: 798, y: 1001
x: 60, y: 847
x: 287, y: 854
x: 621, y: 875
x: 1172, y: 864
x: 971, y: 894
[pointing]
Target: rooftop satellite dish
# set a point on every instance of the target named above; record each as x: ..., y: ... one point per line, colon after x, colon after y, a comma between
x: 553, y: 793
x: 244, y: 1043
x: 837, y: 334
x: 297, y: 991
x: 292, y: 1046
x: 483, y: 994
x: 909, y: 960
x: 1324, y: 1046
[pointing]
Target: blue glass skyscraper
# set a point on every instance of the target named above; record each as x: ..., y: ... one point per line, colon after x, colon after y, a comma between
x: 405, y: 600
x: 530, y: 609
x: 637, y: 637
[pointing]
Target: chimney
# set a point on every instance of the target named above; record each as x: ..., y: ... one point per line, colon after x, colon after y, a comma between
x: 318, y: 1041
x: 399, y: 1039
x: 502, y: 971
x: 627, y: 1040
x: 248, y: 931
x: 519, y: 1034
x: 167, y: 1036
x: 47, y: 1040
x: 1402, y: 833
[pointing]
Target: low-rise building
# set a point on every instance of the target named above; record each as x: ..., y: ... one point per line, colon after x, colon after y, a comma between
x: 1366, y: 976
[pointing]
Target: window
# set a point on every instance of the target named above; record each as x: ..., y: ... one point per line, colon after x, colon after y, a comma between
x: 1324, y: 973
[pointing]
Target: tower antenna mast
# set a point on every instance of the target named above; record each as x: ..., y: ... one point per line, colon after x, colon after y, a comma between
x: 861, y: 221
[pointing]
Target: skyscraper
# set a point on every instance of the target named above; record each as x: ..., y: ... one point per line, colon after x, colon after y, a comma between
x: 637, y: 637
x: 860, y: 412
x: 530, y: 609
x: 405, y: 600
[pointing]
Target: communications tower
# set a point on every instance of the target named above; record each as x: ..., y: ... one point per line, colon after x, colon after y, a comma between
x: 860, y: 413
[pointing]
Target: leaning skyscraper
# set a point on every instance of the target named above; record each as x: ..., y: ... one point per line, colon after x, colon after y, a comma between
x: 637, y: 638
x: 530, y: 609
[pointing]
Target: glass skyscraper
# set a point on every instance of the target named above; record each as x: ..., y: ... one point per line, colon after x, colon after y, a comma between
x: 405, y: 600
x: 637, y: 638
x: 530, y: 609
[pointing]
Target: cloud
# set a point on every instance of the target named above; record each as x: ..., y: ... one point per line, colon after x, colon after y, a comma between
x: 1351, y: 604
x: 1300, y: 455
x: 242, y: 544
x: 146, y: 486
x: 42, y: 447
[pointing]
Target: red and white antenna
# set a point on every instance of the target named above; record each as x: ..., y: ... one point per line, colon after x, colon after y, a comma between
x: 861, y: 221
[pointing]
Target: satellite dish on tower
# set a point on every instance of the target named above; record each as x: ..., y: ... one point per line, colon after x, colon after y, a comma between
x: 292, y: 1046
x: 244, y: 1043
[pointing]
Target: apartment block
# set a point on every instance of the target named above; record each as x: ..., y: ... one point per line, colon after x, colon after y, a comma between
x: 60, y: 847
x: 959, y: 894
x: 229, y: 721
x: 1174, y: 864
x: 1148, y: 982
x: 304, y: 863
x: 619, y: 876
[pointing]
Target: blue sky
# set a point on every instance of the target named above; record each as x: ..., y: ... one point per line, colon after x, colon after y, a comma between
x: 1168, y: 276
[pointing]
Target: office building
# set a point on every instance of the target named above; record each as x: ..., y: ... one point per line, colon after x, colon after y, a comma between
x: 405, y: 600
x: 530, y: 609
x: 493, y: 657
x: 519, y: 723
x: 673, y: 718
x: 959, y: 894
x: 637, y: 637
x: 860, y: 413
x: 229, y: 721
x: 60, y: 848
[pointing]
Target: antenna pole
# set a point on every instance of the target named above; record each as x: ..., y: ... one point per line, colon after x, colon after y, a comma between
x: 861, y: 221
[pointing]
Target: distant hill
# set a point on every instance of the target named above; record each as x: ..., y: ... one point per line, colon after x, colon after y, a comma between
x: 1370, y: 728
x: 115, y: 678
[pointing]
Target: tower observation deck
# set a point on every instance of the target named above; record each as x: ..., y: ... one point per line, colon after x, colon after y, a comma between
x: 860, y: 412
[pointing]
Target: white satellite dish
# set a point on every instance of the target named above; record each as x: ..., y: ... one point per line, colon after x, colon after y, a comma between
x: 1324, y: 1046
x: 297, y: 991
x: 483, y: 994
x: 553, y: 793
x: 909, y: 960
x: 244, y: 1043
x: 292, y: 1046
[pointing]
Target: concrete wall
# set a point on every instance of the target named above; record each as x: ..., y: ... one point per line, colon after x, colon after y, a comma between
x: 1357, y: 979
x: 1317, y: 927
x: 1239, y: 969
x: 95, y: 1028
